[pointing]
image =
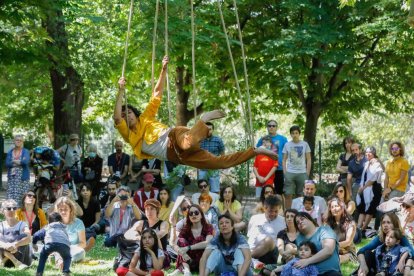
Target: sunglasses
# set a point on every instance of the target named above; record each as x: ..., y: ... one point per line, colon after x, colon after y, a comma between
x: 194, y: 213
x: 11, y: 208
x: 184, y: 209
x: 203, y: 186
x: 30, y: 195
x: 395, y: 148
x: 271, y: 125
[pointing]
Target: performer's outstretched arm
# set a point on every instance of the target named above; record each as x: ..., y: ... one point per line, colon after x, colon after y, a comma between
x: 118, y: 103
x: 159, y: 87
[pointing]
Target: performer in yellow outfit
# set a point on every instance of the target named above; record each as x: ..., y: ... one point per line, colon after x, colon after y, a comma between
x: 150, y: 138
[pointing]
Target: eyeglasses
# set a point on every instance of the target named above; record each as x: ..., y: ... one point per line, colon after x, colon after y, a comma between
x: 395, y: 148
x: 271, y: 125
x: 203, y: 186
x: 30, y: 195
x: 194, y: 213
x: 183, y: 209
x: 11, y: 208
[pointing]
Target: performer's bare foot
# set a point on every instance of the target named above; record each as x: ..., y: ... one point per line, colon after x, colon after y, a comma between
x: 271, y: 154
x: 212, y: 115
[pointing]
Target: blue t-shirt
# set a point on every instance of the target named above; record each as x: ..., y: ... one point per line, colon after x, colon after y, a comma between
x: 73, y: 230
x: 228, y: 251
x: 356, y: 168
x: 278, y: 142
x: 323, y: 232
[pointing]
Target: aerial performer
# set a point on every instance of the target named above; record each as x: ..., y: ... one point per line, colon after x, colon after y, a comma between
x: 149, y: 138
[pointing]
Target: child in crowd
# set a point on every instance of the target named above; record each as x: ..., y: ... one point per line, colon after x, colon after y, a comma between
x: 308, y: 207
x: 56, y: 239
x: 148, y: 258
x: 391, y: 256
x: 264, y: 167
x: 306, y: 250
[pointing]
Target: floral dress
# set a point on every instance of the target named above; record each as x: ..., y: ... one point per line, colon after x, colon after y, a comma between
x: 186, y: 238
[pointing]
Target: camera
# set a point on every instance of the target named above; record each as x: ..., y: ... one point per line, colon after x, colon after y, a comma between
x: 123, y: 197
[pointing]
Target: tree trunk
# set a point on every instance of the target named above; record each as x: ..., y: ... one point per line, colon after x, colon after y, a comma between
x: 67, y: 85
x: 184, y: 115
x: 313, y: 112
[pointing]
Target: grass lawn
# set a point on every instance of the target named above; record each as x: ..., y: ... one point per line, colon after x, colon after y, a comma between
x: 104, y: 260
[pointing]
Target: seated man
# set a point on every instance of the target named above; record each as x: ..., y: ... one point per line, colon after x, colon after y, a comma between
x: 263, y: 230
x: 145, y: 192
x: 319, y: 203
x: 121, y: 213
x: 150, y: 138
x: 204, y: 187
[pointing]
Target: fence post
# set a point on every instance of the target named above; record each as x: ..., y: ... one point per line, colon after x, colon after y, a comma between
x: 1, y: 159
x: 320, y: 162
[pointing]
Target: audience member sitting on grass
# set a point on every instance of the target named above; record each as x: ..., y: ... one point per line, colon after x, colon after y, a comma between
x: 286, y: 239
x: 74, y: 227
x: 56, y: 239
x: 210, y: 212
x: 177, y: 226
x: 263, y: 230
x: 227, y: 252
x: 14, y: 238
x: 267, y: 190
x: 106, y: 195
x: 228, y: 204
x: 91, y: 214
x: 192, y: 241
x: 204, y: 187
x: 391, y: 256
x: 306, y: 250
x: 324, y: 238
x: 146, y: 192
x: 366, y: 256
x: 344, y: 227
x: 121, y: 213
x: 30, y: 213
x: 164, y: 197
x: 319, y: 204
x: 152, y: 207
x: 148, y: 259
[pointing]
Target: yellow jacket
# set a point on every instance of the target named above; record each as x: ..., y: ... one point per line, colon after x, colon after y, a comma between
x: 147, y: 128
x: 40, y: 213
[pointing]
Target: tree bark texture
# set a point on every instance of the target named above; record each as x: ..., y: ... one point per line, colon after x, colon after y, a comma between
x: 67, y: 85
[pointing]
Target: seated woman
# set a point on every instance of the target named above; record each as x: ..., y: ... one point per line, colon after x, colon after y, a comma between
x: 14, y: 238
x: 344, y: 226
x: 192, y: 241
x: 267, y: 190
x: 91, y: 214
x: 366, y: 255
x: 286, y: 239
x: 152, y: 208
x: 226, y: 252
x: 210, y: 212
x: 164, y: 197
x: 74, y: 227
x: 34, y: 217
x: 228, y: 204
x: 148, y: 258
x: 341, y: 191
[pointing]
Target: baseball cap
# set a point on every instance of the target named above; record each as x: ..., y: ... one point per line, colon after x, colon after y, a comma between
x: 73, y: 136
x: 148, y: 177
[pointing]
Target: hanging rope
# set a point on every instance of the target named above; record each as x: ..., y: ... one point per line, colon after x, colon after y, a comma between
x: 131, y: 8
x: 166, y: 53
x: 246, y: 77
x: 410, y: 18
x: 193, y: 60
x: 234, y: 72
x: 154, y: 41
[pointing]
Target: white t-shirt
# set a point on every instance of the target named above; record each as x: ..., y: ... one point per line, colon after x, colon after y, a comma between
x: 260, y: 228
x: 296, y: 156
x: 71, y: 155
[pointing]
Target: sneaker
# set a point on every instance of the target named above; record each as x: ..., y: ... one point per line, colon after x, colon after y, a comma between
x: 22, y: 267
